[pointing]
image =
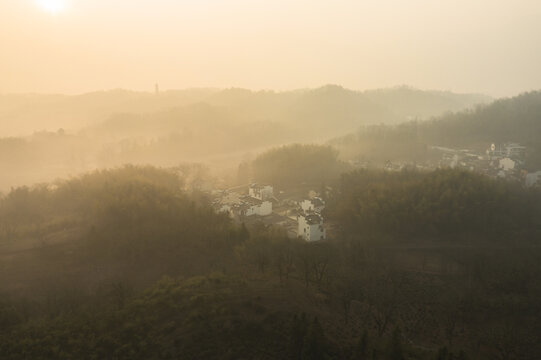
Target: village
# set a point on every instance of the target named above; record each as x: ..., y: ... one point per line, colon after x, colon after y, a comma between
x: 259, y: 203
x: 301, y: 212
x: 505, y: 161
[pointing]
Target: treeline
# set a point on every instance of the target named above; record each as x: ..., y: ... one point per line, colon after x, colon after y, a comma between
x: 378, y: 144
x: 448, y: 204
x: 293, y: 164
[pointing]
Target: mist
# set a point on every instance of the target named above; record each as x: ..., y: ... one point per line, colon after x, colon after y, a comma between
x: 473, y: 47
x: 270, y: 180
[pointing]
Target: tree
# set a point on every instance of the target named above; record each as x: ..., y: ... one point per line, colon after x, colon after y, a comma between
x: 299, y: 329
x: 395, y: 347
x: 361, y: 349
x: 314, y: 347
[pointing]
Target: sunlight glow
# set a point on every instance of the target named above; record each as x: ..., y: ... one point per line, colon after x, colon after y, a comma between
x: 53, y: 7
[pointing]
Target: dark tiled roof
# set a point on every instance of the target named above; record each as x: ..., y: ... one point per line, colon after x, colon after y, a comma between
x: 313, y: 219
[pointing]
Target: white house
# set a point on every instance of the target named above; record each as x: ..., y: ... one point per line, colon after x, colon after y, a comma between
x: 310, y: 227
x: 224, y: 208
x: 250, y: 206
x: 242, y: 205
x: 533, y: 179
x: 315, y: 205
x: 506, y: 164
x: 261, y: 192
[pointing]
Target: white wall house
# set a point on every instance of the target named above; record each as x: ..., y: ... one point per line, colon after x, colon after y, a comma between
x: 533, y: 179
x: 242, y: 205
x: 250, y: 206
x: 506, y: 164
x: 314, y: 205
x: 262, y: 209
x: 224, y: 208
x: 310, y: 227
x: 261, y: 192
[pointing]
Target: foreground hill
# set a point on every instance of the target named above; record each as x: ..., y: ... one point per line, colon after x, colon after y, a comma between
x: 82, y: 262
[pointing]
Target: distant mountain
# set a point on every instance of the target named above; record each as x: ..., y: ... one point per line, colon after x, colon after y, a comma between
x: 205, y: 125
x: 333, y: 109
x: 24, y: 114
x: 413, y: 103
x: 326, y: 111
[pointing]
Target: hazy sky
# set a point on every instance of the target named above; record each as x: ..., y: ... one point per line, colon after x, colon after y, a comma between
x: 490, y: 46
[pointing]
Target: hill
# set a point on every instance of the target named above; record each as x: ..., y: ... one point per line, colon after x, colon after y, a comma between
x: 410, y: 103
x: 442, y: 204
x: 35, y: 112
x: 511, y: 120
x: 68, y: 135
x: 290, y: 165
x: 82, y: 262
x: 516, y: 119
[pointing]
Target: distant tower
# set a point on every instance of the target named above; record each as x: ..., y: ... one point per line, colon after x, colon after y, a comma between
x: 157, y: 89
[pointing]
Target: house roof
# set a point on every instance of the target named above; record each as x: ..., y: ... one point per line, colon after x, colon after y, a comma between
x: 318, y: 201
x: 248, y: 200
x: 313, y: 219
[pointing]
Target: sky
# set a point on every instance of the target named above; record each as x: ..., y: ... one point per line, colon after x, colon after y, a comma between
x: 482, y: 46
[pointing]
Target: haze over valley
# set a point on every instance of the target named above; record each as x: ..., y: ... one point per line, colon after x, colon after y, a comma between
x: 246, y: 179
x: 49, y: 136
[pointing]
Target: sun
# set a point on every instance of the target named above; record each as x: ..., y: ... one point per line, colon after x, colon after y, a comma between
x: 53, y: 7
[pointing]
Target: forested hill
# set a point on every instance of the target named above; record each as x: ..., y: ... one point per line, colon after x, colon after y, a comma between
x: 442, y: 204
x: 77, y: 256
x: 303, y: 115
x: 414, y: 103
x: 516, y: 119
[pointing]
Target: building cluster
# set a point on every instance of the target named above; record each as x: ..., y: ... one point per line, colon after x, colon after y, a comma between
x: 300, y: 218
x: 502, y: 161
x: 505, y: 160
x: 258, y: 202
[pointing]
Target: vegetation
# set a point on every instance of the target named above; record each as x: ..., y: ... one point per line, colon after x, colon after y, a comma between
x: 82, y: 262
x: 294, y: 164
x: 443, y: 204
